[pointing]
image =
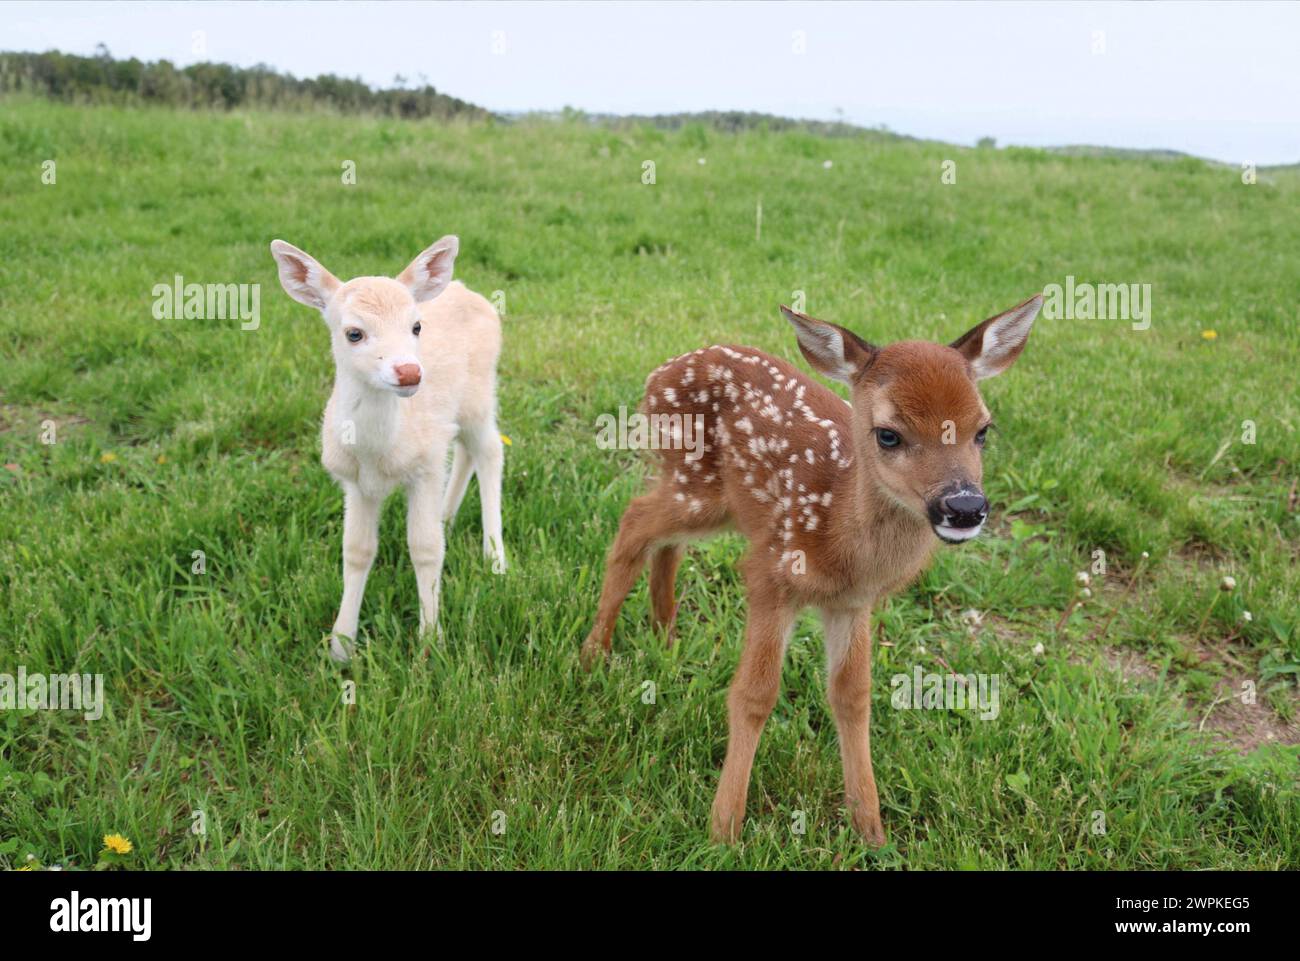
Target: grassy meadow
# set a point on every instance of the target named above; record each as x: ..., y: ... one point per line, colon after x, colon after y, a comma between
x: 490, y: 748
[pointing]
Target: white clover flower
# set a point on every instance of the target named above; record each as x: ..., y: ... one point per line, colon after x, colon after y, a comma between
x: 828, y: 164
x: 1145, y: 555
x: 1039, y: 649
x: 972, y: 617
x: 1228, y: 583
x: 1085, y: 593
x: 703, y: 161
x: 1084, y: 578
x: 1247, y: 616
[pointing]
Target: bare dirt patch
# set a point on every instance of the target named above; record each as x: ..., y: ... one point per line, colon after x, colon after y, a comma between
x: 1229, y: 720
x: 1246, y: 727
x: 14, y: 417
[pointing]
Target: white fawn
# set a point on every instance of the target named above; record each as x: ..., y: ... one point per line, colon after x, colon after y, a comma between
x: 415, y: 373
x: 842, y: 505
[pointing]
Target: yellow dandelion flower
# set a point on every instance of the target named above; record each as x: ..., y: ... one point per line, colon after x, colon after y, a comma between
x: 507, y: 441
x: 107, y: 457
x: 25, y: 867
x: 1209, y: 334
x: 162, y: 458
x: 117, y: 844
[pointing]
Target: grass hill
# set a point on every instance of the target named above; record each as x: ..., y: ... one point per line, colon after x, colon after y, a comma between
x: 1173, y: 450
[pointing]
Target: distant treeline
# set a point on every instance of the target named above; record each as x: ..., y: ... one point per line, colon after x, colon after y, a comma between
x: 102, y: 79
x: 736, y: 121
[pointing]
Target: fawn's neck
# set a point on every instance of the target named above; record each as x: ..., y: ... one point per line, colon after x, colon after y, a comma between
x: 372, y: 417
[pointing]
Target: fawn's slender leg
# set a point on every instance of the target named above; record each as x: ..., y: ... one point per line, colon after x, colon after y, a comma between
x: 645, y: 521
x: 753, y: 694
x: 360, y: 542
x: 486, y: 450
x: 663, y: 575
x: 848, y: 660
x: 461, y: 468
x: 424, y: 539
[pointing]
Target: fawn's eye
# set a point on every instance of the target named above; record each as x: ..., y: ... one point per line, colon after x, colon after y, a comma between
x: 980, y: 436
x: 887, y: 438
x: 416, y: 329
x: 354, y: 335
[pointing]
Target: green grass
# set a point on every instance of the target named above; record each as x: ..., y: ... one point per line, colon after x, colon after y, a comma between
x: 180, y: 436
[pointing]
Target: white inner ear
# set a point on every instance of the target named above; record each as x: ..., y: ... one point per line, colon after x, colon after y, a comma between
x: 826, y: 344
x: 431, y: 271
x: 303, y: 279
x: 310, y: 287
x: 1001, y: 338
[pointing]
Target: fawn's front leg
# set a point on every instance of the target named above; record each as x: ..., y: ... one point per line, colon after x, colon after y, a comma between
x: 360, y: 542
x: 424, y: 538
x: 848, y: 664
x: 753, y: 694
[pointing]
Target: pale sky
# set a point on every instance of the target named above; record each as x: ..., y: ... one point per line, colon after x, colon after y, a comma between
x: 1220, y: 80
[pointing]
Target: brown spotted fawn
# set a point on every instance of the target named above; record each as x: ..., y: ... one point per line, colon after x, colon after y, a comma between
x: 842, y: 505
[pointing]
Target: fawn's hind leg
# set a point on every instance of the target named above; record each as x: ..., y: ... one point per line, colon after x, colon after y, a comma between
x: 461, y: 469
x: 647, y: 520
x: 663, y: 575
x: 484, y: 446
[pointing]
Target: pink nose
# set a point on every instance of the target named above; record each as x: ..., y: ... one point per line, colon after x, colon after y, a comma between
x: 408, y: 375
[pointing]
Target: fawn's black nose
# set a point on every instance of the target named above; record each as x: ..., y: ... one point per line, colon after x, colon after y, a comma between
x: 965, y: 509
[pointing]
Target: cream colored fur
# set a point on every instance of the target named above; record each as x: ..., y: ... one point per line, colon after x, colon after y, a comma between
x: 401, y: 401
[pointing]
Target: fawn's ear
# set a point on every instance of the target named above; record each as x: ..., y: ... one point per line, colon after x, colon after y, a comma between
x: 836, y: 352
x: 302, y: 277
x: 992, y: 346
x: 430, y: 271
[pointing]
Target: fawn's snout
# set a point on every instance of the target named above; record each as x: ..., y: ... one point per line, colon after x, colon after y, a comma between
x: 403, y: 376
x: 958, y: 515
x: 408, y: 375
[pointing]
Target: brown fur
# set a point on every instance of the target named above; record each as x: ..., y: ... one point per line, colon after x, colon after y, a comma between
x: 832, y: 521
